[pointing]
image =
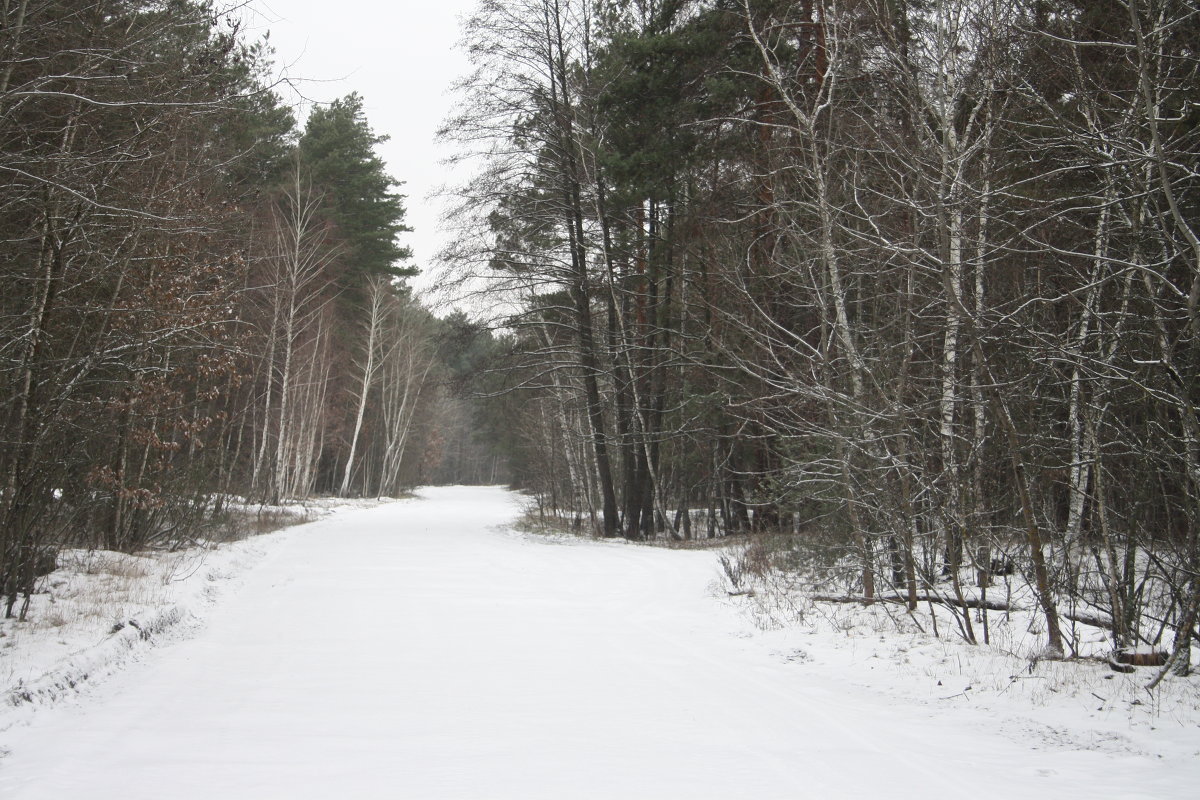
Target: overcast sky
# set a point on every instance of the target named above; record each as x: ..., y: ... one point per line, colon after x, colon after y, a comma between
x: 401, y: 56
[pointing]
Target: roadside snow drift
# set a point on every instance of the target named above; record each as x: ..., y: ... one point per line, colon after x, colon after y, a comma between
x: 421, y: 650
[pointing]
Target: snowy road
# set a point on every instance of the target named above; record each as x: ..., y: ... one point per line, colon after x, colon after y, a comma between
x: 416, y: 651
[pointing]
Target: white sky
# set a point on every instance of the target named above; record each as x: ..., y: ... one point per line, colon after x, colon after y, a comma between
x: 401, y: 56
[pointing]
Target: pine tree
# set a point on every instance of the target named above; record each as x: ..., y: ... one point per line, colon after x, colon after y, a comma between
x: 338, y: 148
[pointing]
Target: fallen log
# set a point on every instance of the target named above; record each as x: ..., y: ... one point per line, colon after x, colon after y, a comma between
x: 921, y: 598
x: 990, y: 605
x: 1142, y: 658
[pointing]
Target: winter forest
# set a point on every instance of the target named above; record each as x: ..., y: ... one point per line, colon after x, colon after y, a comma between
x: 915, y: 282
x: 904, y: 293
x: 202, y: 299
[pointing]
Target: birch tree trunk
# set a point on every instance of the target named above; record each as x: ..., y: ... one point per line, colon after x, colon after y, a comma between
x: 377, y: 293
x: 299, y: 258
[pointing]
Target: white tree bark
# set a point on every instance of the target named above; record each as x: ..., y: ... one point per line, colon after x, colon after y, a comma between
x: 378, y: 291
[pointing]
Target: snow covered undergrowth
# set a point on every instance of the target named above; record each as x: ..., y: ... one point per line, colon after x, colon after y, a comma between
x: 422, y: 650
x: 100, y: 609
x: 1079, y: 703
x: 1070, y: 705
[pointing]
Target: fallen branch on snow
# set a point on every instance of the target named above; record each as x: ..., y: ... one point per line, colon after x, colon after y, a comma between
x: 990, y: 605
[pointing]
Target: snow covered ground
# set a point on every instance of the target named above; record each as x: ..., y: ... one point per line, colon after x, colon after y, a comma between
x: 101, y: 609
x: 421, y: 649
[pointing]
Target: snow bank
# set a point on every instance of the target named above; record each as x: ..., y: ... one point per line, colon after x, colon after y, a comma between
x: 1079, y: 704
x: 100, y: 610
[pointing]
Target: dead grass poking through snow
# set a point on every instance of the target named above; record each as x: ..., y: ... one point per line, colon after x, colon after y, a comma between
x: 923, y: 654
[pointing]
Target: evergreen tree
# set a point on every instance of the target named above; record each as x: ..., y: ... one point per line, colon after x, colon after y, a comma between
x: 338, y: 149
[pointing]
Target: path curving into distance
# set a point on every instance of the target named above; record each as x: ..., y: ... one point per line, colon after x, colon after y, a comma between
x: 420, y: 650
